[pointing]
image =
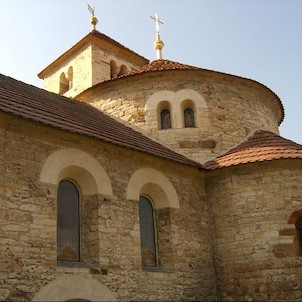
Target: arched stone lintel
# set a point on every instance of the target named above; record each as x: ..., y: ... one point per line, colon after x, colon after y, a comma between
x: 74, y: 288
x: 176, y: 98
x: 78, y: 166
x: 150, y: 182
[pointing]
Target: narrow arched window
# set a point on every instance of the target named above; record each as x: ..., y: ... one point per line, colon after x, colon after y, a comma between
x: 189, y: 118
x: 298, y: 225
x: 165, y: 119
x: 64, y: 84
x: 68, y: 222
x: 66, y: 81
x: 70, y: 77
x: 123, y: 70
x: 113, y: 69
x: 147, y: 232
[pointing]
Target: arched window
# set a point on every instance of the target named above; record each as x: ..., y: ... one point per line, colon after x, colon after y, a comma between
x: 298, y: 225
x: 64, y: 84
x: 70, y: 77
x: 113, y: 69
x: 165, y: 119
x: 189, y: 118
x: 66, y: 81
x: 123, y: 70
x: 147, y: 232
x: 68, y: 222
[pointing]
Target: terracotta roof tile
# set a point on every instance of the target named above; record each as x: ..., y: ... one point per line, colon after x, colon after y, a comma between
x: 159, y: 65
x: 42, y: 106
x: 261, y: 146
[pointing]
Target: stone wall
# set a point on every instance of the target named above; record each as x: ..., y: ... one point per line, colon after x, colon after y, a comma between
x: 234, y: 108
x: 82, y: 73
x: 111, y: 241
x: 255, y: 251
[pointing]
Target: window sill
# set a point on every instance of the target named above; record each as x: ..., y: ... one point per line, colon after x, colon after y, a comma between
x: 82, y: 265
x: 73, y: 264
x: 156, y: 269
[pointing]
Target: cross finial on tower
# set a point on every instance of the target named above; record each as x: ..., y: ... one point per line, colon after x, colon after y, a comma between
x: 91, y: 9
x: 157, y: 22
x: 158, y: 44
x: 93, y: 19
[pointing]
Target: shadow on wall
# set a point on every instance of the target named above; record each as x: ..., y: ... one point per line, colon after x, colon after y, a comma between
x: 73, y: 288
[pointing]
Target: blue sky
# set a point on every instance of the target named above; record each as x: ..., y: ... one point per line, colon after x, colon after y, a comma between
x: 256, y: 39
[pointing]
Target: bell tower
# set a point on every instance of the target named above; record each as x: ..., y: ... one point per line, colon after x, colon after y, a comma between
x: 94, y: 59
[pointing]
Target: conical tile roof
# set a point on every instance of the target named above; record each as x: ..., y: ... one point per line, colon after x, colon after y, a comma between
x: 261, y: 146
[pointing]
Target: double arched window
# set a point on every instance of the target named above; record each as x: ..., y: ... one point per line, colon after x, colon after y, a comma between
x: 187, y: 119
x: 116, y: 71
x: 147, y: 232
x: 68, y: 222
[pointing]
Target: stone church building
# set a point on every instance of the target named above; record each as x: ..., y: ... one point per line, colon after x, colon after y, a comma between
x: 125, y: 179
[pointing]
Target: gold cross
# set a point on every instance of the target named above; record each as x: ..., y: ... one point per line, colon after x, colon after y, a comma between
x: 157, y: 22
x: 91, y: 9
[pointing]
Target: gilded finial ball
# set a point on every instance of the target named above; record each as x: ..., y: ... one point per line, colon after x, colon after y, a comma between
x: 159, y: 44
x: 93, y: 21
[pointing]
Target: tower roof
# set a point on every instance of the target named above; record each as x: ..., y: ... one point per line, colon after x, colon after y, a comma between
x: 96, y: 37
x: 261, y: 146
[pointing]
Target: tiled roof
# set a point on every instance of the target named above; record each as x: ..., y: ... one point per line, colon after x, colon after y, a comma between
x: 42, y: 106
x: 261, y: 146
x: 159, y: 65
